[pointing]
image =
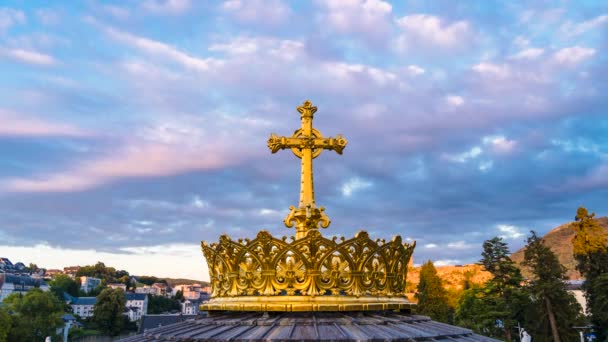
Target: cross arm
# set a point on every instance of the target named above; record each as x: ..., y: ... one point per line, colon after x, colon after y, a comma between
x: 337, y: 143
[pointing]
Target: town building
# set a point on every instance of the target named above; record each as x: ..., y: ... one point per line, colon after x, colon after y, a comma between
x: 6, y: 265
x: 52, y: 273
x: 18, y: 283
x: 118, y: 286
x: 87, y: 284
x: 81, y: 306
x: 136, y: 305
x: 71, y: 271
x: 190, y: 292
x: 161, y: 289
x: 145, y: 290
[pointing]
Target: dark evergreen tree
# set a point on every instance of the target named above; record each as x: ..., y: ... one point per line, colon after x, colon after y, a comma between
x: 5, y: 324
x: 590, y: 247
x: 497, y: 307
x: 108, y: 311
x: 432, y: 297
x: 553, y: 311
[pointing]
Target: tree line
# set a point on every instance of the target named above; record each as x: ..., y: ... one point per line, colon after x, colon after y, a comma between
x: 541, y: 304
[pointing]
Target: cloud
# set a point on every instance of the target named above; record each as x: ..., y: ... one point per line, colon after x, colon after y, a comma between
x: 415, y: 70
x: 573, y: 55
x: 530, y: 53
x: 135, y: 160
x: 353, y: 185
x: 499, y: 71
x: 48, y: 16
x: 368, y: 18
x: 19, y: 124
x: 572, y: 29
x: 429, y: 30
x: 500, y: 144
x: 163, y: 50
x: 454, y: 100
x: 463, y: 157
x: 10, y: 17
x: 172, y: 7
x: 261, y: 12
x: 509, y: 231
x: 28, y: 57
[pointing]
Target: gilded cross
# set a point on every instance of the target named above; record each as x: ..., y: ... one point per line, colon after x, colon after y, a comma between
x: 306, y: 143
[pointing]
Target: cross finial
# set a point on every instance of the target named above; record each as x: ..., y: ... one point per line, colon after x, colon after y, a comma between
x: 306, y: 143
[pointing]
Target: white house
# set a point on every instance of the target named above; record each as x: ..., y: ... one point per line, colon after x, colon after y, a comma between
x: 81, y: 306
x: 15, y: 283
x: 136, y: 305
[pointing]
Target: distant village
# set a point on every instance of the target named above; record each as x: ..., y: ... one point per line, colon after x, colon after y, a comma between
x: 19, y: 278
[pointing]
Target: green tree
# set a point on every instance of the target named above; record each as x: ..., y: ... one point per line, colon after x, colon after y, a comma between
x: 431, y: 295
x: 553, y: 309
x: 36, y: 315
x: 108, y: 311
x: 590, y: 247
x: 5, y: 324
x: 63, y: 283
x: 160, y: 304
x: 496, y: 308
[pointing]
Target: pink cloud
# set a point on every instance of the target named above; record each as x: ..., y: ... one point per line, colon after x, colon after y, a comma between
x: 138, y: 159
x: 16, y: 124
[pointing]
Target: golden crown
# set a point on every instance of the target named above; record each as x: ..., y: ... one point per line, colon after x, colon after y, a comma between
x: 336, y: 269
x: 309, y: 272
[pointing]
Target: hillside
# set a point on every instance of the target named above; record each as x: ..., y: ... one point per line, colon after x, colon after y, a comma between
x: 560, y: 241
x: 453, y: 277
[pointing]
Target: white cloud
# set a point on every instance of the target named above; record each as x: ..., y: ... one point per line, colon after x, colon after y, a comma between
x: 460, y: 245
x: 500, y: 144
x: 264, y: 12
x: 369, y: 18
x: 447, y: 262
x: 454, y: 100
x: 354, y: 184
x: 415, y: 70
x: 464, y: 156
x: 530, y: 53
x: 161, y: 49
x: 10, y: 17
x: 486, y: 165
x: 166, y: 6
x: 573, y: 55
x: 430, y: 245
x: 199, y: 203
x: 28, y: 57
x: 509, y: 231
x: 421, y: 29
x: 570, y: 28
x: 493, y: 70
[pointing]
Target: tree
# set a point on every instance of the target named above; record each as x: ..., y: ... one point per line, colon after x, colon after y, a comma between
x: 590, y: 247
x: 432, y: 297
x: 496, y: 308
x: 63, y: 283
x: 555, y: 311
x: 160, y: 304
x: 5, y: 325
x: 36, y: 315
x: 108, y: 311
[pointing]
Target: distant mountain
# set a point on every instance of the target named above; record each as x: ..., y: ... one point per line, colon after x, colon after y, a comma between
x: 560, y: 241
x: 180, y: 281
x: 453, y: 277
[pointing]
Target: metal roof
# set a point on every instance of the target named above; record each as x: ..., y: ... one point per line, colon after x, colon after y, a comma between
x: 286, y: 326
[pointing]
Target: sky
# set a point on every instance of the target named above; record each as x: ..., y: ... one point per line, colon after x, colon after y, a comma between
x: 132, y: 130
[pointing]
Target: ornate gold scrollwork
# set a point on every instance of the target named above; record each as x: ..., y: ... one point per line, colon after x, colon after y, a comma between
x: 310, y: 266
